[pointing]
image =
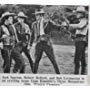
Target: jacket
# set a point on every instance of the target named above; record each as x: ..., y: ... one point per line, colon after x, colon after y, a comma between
x: 48, y: 27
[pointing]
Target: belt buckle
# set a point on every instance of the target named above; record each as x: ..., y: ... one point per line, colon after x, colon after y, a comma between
x: 42, y: 38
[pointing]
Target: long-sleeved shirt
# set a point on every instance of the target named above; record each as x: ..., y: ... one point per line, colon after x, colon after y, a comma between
x: 81, y: 27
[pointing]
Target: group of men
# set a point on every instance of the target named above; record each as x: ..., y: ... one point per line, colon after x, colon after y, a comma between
x: 16, y: 38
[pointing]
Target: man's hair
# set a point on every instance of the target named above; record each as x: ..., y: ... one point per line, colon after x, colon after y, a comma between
x: 3, y: 20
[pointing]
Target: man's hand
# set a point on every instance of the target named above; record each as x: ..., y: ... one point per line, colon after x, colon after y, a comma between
x: 4, y: 36
x: 1, y: 45
x: 29, y: 47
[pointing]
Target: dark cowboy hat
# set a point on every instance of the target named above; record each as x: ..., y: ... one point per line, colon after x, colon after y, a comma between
x: 21, y: 15
x: 39, y: 12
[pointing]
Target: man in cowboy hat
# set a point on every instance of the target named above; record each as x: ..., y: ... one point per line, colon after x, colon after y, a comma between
x: 80, y: 41
x: 23, y: 35
x: 43, y: 43
x: 6, y: 38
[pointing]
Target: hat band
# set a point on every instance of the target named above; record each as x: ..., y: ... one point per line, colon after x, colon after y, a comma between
x: 23, y: 16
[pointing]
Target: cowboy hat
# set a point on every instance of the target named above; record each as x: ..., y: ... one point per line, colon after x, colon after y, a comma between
x: 4, y: 15
x: 39, y: 12
x: 80, y: 9
x: 22, y: 15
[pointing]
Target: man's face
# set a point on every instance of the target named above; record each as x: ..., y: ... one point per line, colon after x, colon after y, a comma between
x: 10, y: 20
x: 56, y: 20
x: 6, y: 22
x: 37, y: 17
x: 79, y: 15
x: 21, y: 20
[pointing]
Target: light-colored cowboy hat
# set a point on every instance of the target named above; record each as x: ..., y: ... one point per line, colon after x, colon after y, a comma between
x: 39, y: 12
x: 80, y: 9
x: 4, y: 15
x: 22, y: 15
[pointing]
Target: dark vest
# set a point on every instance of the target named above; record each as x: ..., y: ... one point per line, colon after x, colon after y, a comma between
x: 10, y: 39
x: 20, y: 32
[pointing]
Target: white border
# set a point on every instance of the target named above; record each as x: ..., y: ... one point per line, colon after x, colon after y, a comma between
x: 53, y: 2
x: 89, y: 46
x: 47, y: 2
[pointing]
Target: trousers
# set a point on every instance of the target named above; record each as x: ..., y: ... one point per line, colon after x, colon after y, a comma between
x: 44, y: 46
x: 16, y: 54
x: 19, y: 60
x: 6, y: 57
x: 80, y: 47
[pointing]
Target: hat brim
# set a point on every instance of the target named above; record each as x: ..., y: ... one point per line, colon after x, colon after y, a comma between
x: 22, y: 17
x: 80, y: 11
x: 83, y: 12
x: 12, y: 14
x: 39, y: 13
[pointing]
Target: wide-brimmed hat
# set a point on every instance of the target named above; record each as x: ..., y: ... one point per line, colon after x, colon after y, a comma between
x: 39, y: 12
x: 21, y: 15
x: 80, y: 9
x: 4, y: 15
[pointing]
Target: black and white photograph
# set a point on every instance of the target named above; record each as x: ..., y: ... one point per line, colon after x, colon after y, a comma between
x: 44, y: 39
